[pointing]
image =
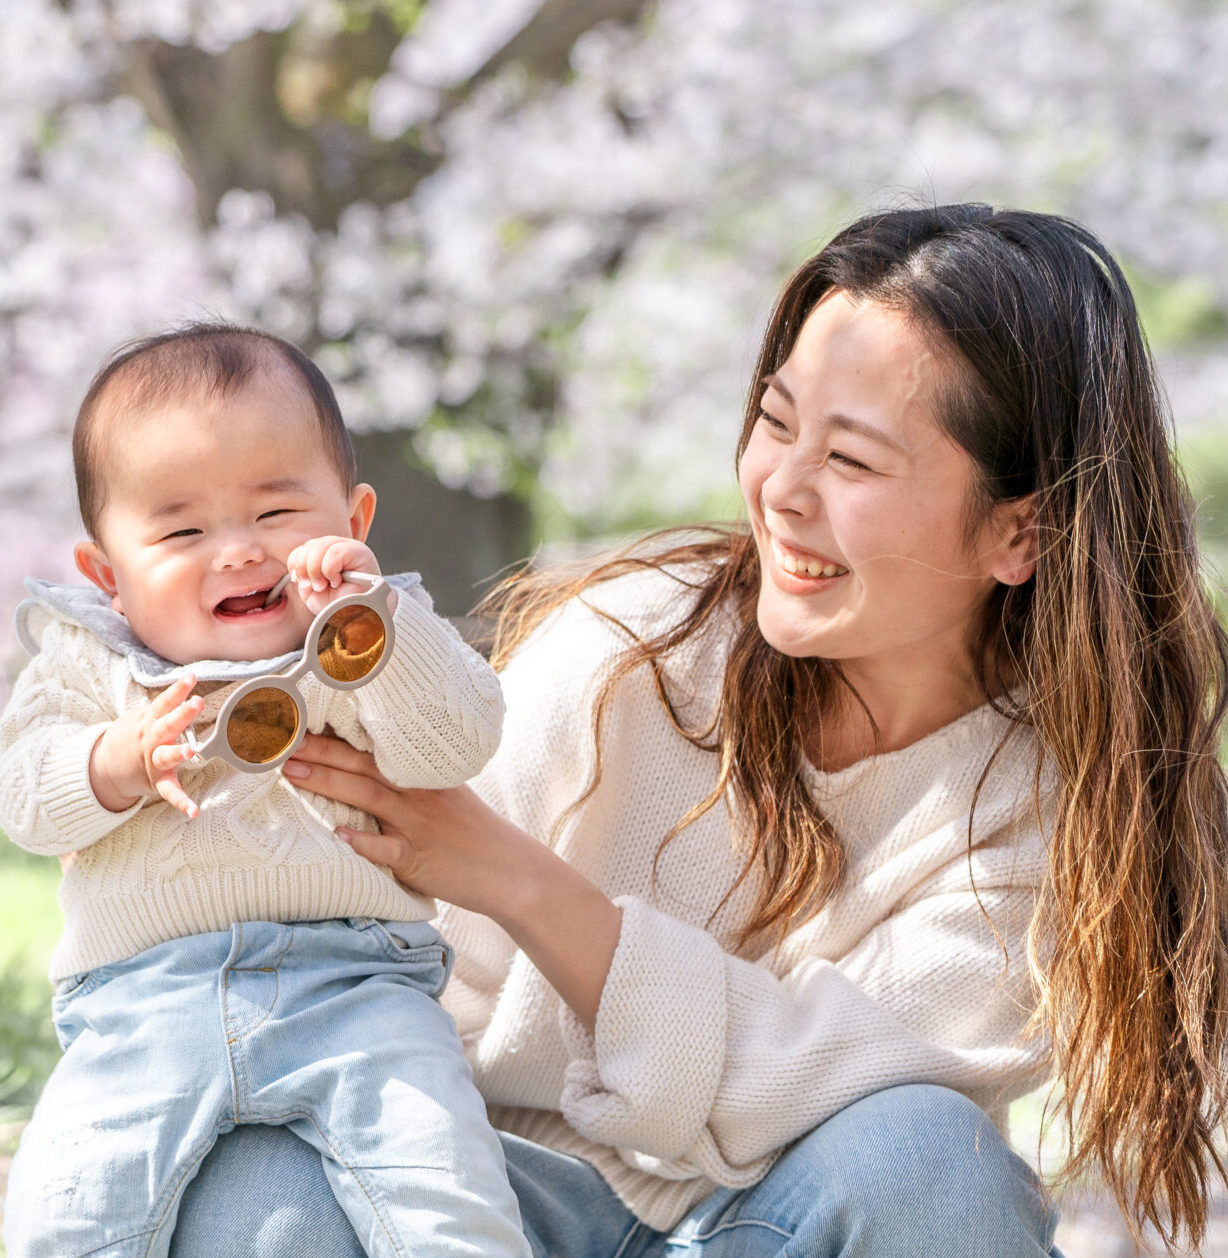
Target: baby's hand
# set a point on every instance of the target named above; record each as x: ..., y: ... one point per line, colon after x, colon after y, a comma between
x: 139, y: 753
x: 317, y: 566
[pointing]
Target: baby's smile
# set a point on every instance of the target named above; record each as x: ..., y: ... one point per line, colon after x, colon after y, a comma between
x: 249, y: 604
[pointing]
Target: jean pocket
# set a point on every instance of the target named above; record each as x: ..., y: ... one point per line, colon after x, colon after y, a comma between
x: 68, y: 991
x: 67, y: 987
x: 421, y: 954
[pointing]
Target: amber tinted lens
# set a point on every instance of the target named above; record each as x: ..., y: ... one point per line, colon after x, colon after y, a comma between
x: 263, y: 725
x: 351, y: 643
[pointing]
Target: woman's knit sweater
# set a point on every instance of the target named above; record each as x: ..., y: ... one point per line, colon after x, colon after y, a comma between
x: 704, y: 1064
x: 260, y: 849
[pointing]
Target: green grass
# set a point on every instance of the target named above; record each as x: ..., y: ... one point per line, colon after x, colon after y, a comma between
x: 29, y: 912
x: 28, y: 1050
x: 31, y: 920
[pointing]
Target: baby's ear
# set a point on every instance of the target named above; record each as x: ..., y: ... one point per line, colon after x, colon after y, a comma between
x: 94, y: 565
x: 362, y: 511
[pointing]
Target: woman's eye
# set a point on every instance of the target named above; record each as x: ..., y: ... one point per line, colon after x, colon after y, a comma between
x: 835, y: 456
x: 772, y: 421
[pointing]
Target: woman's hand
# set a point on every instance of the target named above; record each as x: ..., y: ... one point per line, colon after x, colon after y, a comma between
x: 448, y: 843
x: 444, y: 843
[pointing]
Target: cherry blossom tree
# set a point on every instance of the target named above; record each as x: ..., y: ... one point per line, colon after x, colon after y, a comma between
x: 533, y: 241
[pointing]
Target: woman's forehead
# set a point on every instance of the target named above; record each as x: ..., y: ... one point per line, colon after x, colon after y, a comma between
x: 861, y: 351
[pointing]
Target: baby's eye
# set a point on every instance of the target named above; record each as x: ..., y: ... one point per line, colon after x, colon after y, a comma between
x: 268, y: 515
x: 182, y: 533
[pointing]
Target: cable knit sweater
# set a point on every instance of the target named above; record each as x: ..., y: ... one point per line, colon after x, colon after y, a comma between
x: 260, y: 849
x: 705, y: 1063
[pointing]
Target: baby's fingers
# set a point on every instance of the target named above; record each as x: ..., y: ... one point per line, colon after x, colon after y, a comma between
x: 170, y: 790
x: 305, y: 564
x: 167, y: 728
x: 173, y: 695
x: 168, y: 758
x: 342, y: 554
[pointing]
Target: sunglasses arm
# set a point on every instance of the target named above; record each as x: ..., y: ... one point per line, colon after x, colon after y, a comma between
x: 362, y: 578
x: 200, y: 748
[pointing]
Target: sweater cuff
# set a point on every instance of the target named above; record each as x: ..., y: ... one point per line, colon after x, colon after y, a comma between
x: 69, y: 802
x: 436, y: 684
x: 646, y: 1080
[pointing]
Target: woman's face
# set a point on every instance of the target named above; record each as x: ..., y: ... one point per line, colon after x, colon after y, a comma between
x: 858, y: 502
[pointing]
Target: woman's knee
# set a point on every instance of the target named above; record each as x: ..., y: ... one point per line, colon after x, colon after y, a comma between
x: 921, y: 1160
x: 912, y: 1134
x: 262, y: 1193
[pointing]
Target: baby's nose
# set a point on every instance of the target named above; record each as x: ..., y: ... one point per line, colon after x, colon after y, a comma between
x: 238, y: 549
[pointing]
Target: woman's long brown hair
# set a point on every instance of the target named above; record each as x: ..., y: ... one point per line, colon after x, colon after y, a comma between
x: 1113, y: 654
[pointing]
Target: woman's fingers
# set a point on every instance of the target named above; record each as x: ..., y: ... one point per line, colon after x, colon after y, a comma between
x: 337, y: 754
x: 380, y: 849
x: 357, y: 784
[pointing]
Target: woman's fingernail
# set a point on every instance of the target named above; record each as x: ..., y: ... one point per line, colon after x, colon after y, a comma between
x: 346, y: 836
x: 296, y: 769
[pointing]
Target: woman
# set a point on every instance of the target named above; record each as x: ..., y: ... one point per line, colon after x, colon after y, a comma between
x: 812, y: 845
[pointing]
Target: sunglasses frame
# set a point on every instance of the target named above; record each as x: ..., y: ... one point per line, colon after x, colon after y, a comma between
x: 216, y: 745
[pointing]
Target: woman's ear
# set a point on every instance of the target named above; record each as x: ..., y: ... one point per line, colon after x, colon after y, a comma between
x: 1014, y: 559
x: 94, y: 565
x: 362, y: 511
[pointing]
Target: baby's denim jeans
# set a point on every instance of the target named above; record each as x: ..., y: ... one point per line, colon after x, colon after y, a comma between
x: 331, y: 1030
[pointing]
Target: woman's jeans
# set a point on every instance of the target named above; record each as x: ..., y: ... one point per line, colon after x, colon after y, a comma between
x: 908, y: 1171
x: 329, y: 1029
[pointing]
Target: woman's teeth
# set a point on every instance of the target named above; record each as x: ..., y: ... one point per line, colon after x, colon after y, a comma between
x: 802, y: 567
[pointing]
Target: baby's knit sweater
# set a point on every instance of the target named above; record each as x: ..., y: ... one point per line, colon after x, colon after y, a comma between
x: 706, y: 1062
x: 260, y: 849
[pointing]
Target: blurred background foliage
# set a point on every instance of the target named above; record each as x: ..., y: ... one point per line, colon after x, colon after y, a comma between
x: 534, y: 242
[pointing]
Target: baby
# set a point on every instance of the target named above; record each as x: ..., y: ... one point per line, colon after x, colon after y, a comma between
x: 225, y: 959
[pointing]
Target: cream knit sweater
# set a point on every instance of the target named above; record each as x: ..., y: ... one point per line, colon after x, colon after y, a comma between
x: 705, y: 1063
x: 260, y: 849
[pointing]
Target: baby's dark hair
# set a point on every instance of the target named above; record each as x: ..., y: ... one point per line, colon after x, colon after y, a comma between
x: 203, y: 358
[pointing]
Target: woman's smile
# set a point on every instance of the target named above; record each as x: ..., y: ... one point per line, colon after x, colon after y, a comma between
x: 797, y: 571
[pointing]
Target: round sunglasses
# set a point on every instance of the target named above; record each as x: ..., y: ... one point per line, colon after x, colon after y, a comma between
x: 262, y: 724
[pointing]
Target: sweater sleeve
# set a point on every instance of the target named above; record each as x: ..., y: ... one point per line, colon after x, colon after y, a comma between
x: 56, y: 714
x: 705, y: 1063
x: 433, y: 715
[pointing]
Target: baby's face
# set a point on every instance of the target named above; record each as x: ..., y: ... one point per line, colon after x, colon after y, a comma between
x: 205, y: 499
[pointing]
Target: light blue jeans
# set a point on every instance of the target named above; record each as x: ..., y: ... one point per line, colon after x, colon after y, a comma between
x: 331, y: 1031
x: 908, y: 1171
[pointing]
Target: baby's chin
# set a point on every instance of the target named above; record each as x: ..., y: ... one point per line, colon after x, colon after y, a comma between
x: 229, y: 646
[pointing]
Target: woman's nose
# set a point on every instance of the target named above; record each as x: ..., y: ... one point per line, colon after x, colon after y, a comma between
x: 790, y: 488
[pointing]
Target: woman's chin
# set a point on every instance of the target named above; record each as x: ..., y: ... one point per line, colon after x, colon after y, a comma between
x: 793, y: 640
